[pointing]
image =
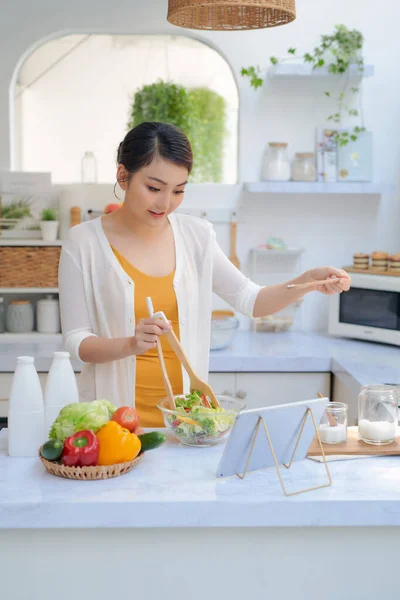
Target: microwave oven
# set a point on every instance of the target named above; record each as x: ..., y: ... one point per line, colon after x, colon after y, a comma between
x: 370, y: 310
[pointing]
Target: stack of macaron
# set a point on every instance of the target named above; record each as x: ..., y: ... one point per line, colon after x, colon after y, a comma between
x: 361, y: 261
x: 394, y: 262
x: 380, y: 260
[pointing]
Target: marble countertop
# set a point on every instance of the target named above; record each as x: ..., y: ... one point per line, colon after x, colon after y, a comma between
x: 357, y: 361
x: 175, y: 486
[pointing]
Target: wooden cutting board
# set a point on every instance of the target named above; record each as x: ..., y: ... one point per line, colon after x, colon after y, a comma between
x: 354, y: 446
x: 373, y: 271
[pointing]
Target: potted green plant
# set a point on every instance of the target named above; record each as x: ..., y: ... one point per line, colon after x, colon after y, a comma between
x: 13, y: 213
x: 49, y: 224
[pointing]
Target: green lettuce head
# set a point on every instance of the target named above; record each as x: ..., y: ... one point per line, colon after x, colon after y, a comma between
x: 79, y: 416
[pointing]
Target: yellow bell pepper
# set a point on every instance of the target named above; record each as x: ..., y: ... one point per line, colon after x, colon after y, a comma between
x: 117, y: 445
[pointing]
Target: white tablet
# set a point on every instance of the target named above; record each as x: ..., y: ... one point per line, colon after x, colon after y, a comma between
x: 283, y: 422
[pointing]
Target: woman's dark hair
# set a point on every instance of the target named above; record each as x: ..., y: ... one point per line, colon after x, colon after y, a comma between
x: 148, y: 140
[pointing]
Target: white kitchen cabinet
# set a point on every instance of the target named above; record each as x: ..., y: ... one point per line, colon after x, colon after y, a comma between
x: 268, y: 389
x: 344, y: 390
x: 222, y: 382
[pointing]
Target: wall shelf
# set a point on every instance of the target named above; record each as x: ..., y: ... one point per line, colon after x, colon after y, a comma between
x: 28, y: 290
x: 27, y: 242
x: 291, y: 69
x: 32, y: 337
x: 215, y: 215
x: 275, y: 253
x: 317, y: 187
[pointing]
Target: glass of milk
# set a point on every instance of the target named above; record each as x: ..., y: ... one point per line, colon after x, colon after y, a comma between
x: 333, y: 425
x: 378, y: 414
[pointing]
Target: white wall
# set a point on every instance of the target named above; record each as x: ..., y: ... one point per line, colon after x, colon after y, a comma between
x: 331, y: 228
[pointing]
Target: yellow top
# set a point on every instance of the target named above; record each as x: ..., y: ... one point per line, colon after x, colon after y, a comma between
x: 149, y: 388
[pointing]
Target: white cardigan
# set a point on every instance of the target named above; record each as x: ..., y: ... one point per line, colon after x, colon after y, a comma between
x: 96, y: 298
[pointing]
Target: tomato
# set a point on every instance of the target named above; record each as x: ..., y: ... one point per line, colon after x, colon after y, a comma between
x: 127, y: 417
x: 111, y: 207
x: 139, y: 431
x: 205, y: 401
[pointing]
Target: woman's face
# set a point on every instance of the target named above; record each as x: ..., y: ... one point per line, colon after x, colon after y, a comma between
x: 155, y: 191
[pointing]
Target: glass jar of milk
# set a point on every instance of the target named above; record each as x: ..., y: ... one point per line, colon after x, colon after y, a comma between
x: 333, y: 425
x: 378, y: 414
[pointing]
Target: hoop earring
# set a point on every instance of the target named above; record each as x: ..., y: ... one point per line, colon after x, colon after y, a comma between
x: 115, y: 185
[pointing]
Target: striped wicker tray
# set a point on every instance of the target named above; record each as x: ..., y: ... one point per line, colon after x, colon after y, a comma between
x: 29, y: 266
x: 89, y: 473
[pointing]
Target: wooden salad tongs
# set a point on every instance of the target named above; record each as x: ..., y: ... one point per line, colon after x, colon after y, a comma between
x: 195, y: 382
x: 311, y: 284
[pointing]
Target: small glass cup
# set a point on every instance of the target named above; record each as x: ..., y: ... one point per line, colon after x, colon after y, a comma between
x: 333, y: 425
x: 378, y: 414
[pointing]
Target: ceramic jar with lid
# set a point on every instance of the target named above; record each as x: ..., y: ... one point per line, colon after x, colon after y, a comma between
x: 303, y: 167
x: 20, y: 316
x: 276, y: 166
x: 48, y: 315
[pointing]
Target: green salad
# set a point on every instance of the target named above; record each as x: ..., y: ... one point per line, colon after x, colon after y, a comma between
x: 200, y: 422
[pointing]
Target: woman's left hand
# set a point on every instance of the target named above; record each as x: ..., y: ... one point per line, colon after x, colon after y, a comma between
x: 321, y: 273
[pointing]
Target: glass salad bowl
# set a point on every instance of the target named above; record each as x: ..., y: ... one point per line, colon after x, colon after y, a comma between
x: 195, y: 423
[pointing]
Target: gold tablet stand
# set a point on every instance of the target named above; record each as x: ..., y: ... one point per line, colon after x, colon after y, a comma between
x: 256, y: 431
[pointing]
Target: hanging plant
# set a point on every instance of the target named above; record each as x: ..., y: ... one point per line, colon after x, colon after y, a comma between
x: 337, y: 53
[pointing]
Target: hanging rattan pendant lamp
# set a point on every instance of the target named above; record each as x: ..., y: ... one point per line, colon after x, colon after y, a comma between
x: 230, y: 15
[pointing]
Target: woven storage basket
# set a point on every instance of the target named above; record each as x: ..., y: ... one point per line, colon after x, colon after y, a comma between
x: 89, y: 473
x: 229, y: 15
x: 29, y: 266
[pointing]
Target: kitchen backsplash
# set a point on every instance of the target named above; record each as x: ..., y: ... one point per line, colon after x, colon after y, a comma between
x: 329, y: 228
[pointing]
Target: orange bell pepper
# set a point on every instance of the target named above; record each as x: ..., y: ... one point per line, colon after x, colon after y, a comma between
x: 117, y: 445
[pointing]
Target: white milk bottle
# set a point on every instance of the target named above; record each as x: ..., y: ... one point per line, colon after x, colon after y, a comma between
x: 26, y: 432
x: 61, y: 387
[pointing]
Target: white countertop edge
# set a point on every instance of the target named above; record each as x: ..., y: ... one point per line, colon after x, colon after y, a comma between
x: 284, y: 513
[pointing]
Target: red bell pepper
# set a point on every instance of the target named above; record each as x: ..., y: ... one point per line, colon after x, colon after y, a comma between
x: 81, y: 449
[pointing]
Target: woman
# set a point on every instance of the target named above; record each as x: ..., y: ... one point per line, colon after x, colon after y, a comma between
x: 110, y: 265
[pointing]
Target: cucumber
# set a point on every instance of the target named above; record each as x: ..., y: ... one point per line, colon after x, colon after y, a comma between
x: 52, y: 450
x: 151, y: 440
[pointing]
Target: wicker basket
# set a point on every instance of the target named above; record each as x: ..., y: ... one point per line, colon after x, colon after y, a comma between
x: 225, y: 15
x: 29, y: 266
x: 89, y: 473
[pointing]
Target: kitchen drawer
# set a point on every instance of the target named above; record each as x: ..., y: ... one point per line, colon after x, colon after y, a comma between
x: 5, y: 386
x: 269, y: 389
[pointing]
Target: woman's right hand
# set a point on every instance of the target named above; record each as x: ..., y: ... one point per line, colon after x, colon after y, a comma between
x: 147, y: 333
